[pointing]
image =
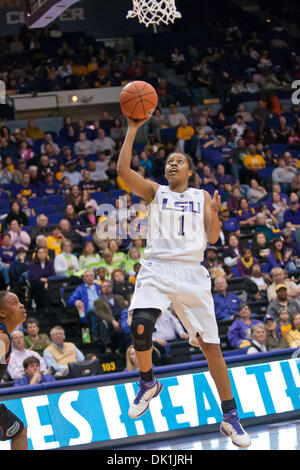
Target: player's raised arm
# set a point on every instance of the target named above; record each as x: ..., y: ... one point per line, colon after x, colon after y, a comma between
x: 211, y: 216
x: 139, y: 185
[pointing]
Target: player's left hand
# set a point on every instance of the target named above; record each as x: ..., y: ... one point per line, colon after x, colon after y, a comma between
x: 215, y: 204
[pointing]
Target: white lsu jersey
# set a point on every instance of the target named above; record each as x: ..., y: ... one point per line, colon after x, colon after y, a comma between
x: 176, y: 229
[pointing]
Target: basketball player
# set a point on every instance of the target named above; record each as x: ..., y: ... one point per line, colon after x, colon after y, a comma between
x: 12, y: 313
x: 181, y: 222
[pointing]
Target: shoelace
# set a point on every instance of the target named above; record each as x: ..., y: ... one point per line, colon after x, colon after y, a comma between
x: 140, y: 393
x: 235, y: 424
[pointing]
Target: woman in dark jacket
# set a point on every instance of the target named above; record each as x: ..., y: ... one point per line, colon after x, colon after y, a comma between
x: 39, y: 271
x: 16, y: 214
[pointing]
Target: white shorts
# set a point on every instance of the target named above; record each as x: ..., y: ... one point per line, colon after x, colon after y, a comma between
x: 187, y: 287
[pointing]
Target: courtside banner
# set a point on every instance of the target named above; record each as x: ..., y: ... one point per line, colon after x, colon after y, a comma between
x: 89, y: 414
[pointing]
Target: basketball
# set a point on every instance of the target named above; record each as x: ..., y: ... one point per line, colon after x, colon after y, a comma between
x: 138, y: 100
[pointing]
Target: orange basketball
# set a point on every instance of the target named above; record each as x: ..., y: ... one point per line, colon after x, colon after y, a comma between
x: 138, y: 100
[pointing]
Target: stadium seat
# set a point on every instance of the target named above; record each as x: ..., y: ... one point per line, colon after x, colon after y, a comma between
x: 55, y: 218
x: 34, y: 202
x: 47, y: 210
x: 99, y: 196
x: 55, y: 200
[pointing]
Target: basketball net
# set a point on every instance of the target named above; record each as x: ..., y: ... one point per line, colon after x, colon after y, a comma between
x: 154, y: 12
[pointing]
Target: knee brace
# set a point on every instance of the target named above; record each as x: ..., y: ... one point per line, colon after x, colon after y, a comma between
x: 142, y: 327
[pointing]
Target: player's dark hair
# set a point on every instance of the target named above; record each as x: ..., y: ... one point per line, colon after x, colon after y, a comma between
x: 3, y: 294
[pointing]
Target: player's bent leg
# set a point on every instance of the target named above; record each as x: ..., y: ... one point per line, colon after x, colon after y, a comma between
x: 230, y: 426
x: 142, y: 328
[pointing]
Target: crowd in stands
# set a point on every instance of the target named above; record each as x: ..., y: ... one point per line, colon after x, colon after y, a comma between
x: 53, y: 185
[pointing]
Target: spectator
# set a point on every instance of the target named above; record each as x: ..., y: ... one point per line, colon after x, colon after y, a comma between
x: 132, y: 258
x: 293, y: 337
x: 256, y: 284
x: 34, y: 340
x: 8, y: 252
x: 106, y: 319
x: 229, y: 224
x: 73, y: 176
x: 131, y: 359
x: 117, y: 131
x: 120, y: 285
x: 50, y: 187
x: 19, y: 238
x: 40, y: 269
x: 103, y: 144
x: 72, y: 234
x: 258, y: 339
x: 239, y: 334
x: 226, y: 303
x: 245, y: 263
x: 168, y: 328
x: 284, y: 324
x: 87, y: 183
x: 55, y: 239
x: 83, y: 146
x: 53, y: 147
x: 71, y: 215
x: 246, y: 216
x: 279, y: 256
x: 265, y: 225
x: 16, y: 214
x: 174, y: 117
x: 279, y: 276
x: 253, y: 162
x: 260, y: 247
x: 15, y: 367
x: 26, y: 188
x: 215, y: 266
x: 275, y: 339
x: 75, y: 198
x: 184, y: 133
x: 60, y: 353
x: 41, y: 228
x: 89, y: 257
x: 256, y: 192
x: 41, y: 242
x: 34, y: 132
x: 283, y: 174
x: 66, y: 264
x: 89, y: 216
x: 282, y: 301
x: 85, y: 295
x: 107, y: 261
x: 277, y: 206
x: 291, y: 218
x: 33, y: 374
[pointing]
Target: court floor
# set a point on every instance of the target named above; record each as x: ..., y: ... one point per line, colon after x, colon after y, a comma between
x: 280, y: 436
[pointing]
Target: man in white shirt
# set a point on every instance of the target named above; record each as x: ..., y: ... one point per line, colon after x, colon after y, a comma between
x: 19, y: 353
x: 168, y: 328
x: 174, y: 117
x: 83, y: 146
x: 74, y: 176
x: 239, y: 125
x: 103, y: 143
x: 283, y: 173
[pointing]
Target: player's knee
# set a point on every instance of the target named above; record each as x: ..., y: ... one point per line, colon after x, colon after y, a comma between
x: 142, y: 328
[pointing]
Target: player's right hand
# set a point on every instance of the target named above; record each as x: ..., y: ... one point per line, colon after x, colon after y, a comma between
x: 136, y: 124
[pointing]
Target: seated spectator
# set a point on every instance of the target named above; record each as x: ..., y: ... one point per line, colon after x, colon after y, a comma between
x: 26, y: 188
x: 107, y: 261
x: 16, y: 213
x: 65, y: 264
x: 168, y: 328
x: 261, y: 247
x: 291, y: 218
x: 24, y: 207
x: 136, y: 268
x: 133, y: 257
x: 73, y: 218
x: 101, y: 275
x: 8, y: 252
x: 120, y: 285
x: 253, y: 162
x: 131, y: 359
x: 50, y: 187
x: 258, y: 339
x: 174, y: 117
x: 229, y: 224
x: 282, y: 301
x: 256, y: 284
x: 41, y: 242
x: 246, y: 215
x: 89, y: 216
x: 55, y: 239
x: 275, y: 339
x: 33, y: 374
x: 54, y: 148
x: 277, y: 206
x: 60, y: 353
x: 34, y: 132
x: 293, y: 337
x: 83, y: 146
x: 118, y: 256
x: 39, y: 270
x: 34, y: 340
x: 283, y: 174
x: 41, y: 228
x: 15, y: 366
x: 87, y: 183
x: 19, y: 238
x: 84, y: 296
x: 279, y: 256
x: 256, y: 192
x: 73, y: 176
x: 284, y: 324
x: 226, y: 303
x: 103, y: 143
x: 184, y: 133
x: 105, y: 323
x: 291, y: 244
x: 245, y: 262
x: 279, y: 276
x: 233, y: 201
x: 75, y: 198
x: 18, y: 275
x: 266, y: 223
x: 215, y: 266
x: 89, y: 257
x: 239, y: 333
x: 117, y: 131
x: 72, y: 234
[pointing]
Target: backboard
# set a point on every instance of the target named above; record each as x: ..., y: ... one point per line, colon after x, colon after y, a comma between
x: 39, y: 13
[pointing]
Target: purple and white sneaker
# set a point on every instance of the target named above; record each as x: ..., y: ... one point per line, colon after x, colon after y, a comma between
x: 231, y: 427
x: 147, y: 391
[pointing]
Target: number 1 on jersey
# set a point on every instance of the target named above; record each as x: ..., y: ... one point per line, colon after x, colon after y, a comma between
x: 181, y: 226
